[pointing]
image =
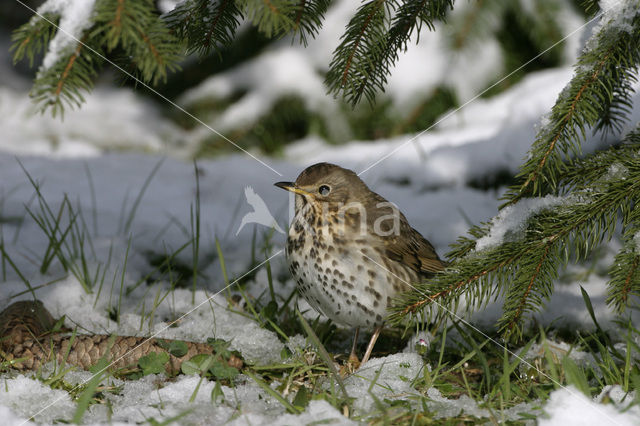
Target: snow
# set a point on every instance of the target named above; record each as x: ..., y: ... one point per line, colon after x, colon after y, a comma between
x: 570, y: 407
x: 298, y: 77
x: 618, y: 13
x: 616, y: 172
x: 80, y: 135
x: 615, y: 15
x: 166, y: 6
x: 23, y: 394
x: 100, y: 156
x: 75, y: 18
x: 509, y: 224
x: 389, y: 377
x: 558, y: 350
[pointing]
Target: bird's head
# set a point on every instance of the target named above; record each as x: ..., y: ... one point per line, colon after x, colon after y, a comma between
x: 327, y: 183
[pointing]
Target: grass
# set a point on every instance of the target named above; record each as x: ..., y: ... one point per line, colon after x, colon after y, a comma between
x: 458, y: 362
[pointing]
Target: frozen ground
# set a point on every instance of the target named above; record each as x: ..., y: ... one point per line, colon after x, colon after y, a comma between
x: 429, y: 176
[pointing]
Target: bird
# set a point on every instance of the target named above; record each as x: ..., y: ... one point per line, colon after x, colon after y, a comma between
x: 350, y: 251
x: 260, y: 214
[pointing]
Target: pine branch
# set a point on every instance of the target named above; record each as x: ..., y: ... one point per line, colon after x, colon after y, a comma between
x: 131, y: 26
x: 31, y: 38
x: 365, y: 33
x: 524, y: 264
x: 308, y: 18
x: 597, y: 97
x: 64, y: 82
x: 134, y: 26
x: 625, y: 269
x: 523, y: 302
x: 272, y: 17
x: 371, y: 45
x: 205, y: 25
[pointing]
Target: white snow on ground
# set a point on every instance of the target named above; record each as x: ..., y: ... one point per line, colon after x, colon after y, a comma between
x: 89, y: 131
x: 570, y: 407
x: 426, y: 175
x: 389, y: 377
x: 24, y: 395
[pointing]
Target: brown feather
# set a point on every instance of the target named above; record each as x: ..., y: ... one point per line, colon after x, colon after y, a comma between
x: 408, y: 246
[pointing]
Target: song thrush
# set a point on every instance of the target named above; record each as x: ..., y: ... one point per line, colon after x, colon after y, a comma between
x: 350, y: 250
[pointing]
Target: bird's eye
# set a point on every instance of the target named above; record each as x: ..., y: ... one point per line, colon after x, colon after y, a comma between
x: 324, y: 190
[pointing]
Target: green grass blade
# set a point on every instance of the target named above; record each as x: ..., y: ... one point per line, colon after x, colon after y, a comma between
x: 324, y: 355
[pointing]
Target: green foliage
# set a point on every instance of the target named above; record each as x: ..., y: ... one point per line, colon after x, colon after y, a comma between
x: 209, y: 365
x: 308, y: 18
x: 598, y: 96
x: 273, y: 17
x: 204, y: 25
x: 625, y: 269
x: 215, y: 365
x: 32, y: 39
x: 524, y: 266
x: 220, y: 346
x: 176, y: 348
x: 153, y: 363
x: 371, y: 44
x: 86, y: 397
x: 132, y: 36
x: 199, y: 364
x: 64, y: 82
x: 133, y: 28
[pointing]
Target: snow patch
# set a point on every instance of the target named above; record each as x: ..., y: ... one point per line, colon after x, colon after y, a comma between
x: 558, y: 350
x: 444, y: 407
x: 568, y: 406
x: 619, y: 13
x: 318, y: 412
x: 616, y: 172
x: 111, y: 119
x: 75, y: 18
x: 512, y: 220
x: 29, y: 398
x: 389, y: 377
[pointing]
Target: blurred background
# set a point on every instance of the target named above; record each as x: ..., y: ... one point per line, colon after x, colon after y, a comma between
x: 267, y: 94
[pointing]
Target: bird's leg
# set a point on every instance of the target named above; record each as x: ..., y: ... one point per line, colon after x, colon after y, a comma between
x: 372, y: 343
x: 353, y: 357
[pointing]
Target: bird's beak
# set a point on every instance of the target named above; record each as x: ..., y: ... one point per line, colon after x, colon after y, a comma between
x: 291, y: 186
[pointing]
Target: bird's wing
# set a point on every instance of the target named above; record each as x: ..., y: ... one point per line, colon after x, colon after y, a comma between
x: 413, y: 250
x: 409, y: 247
